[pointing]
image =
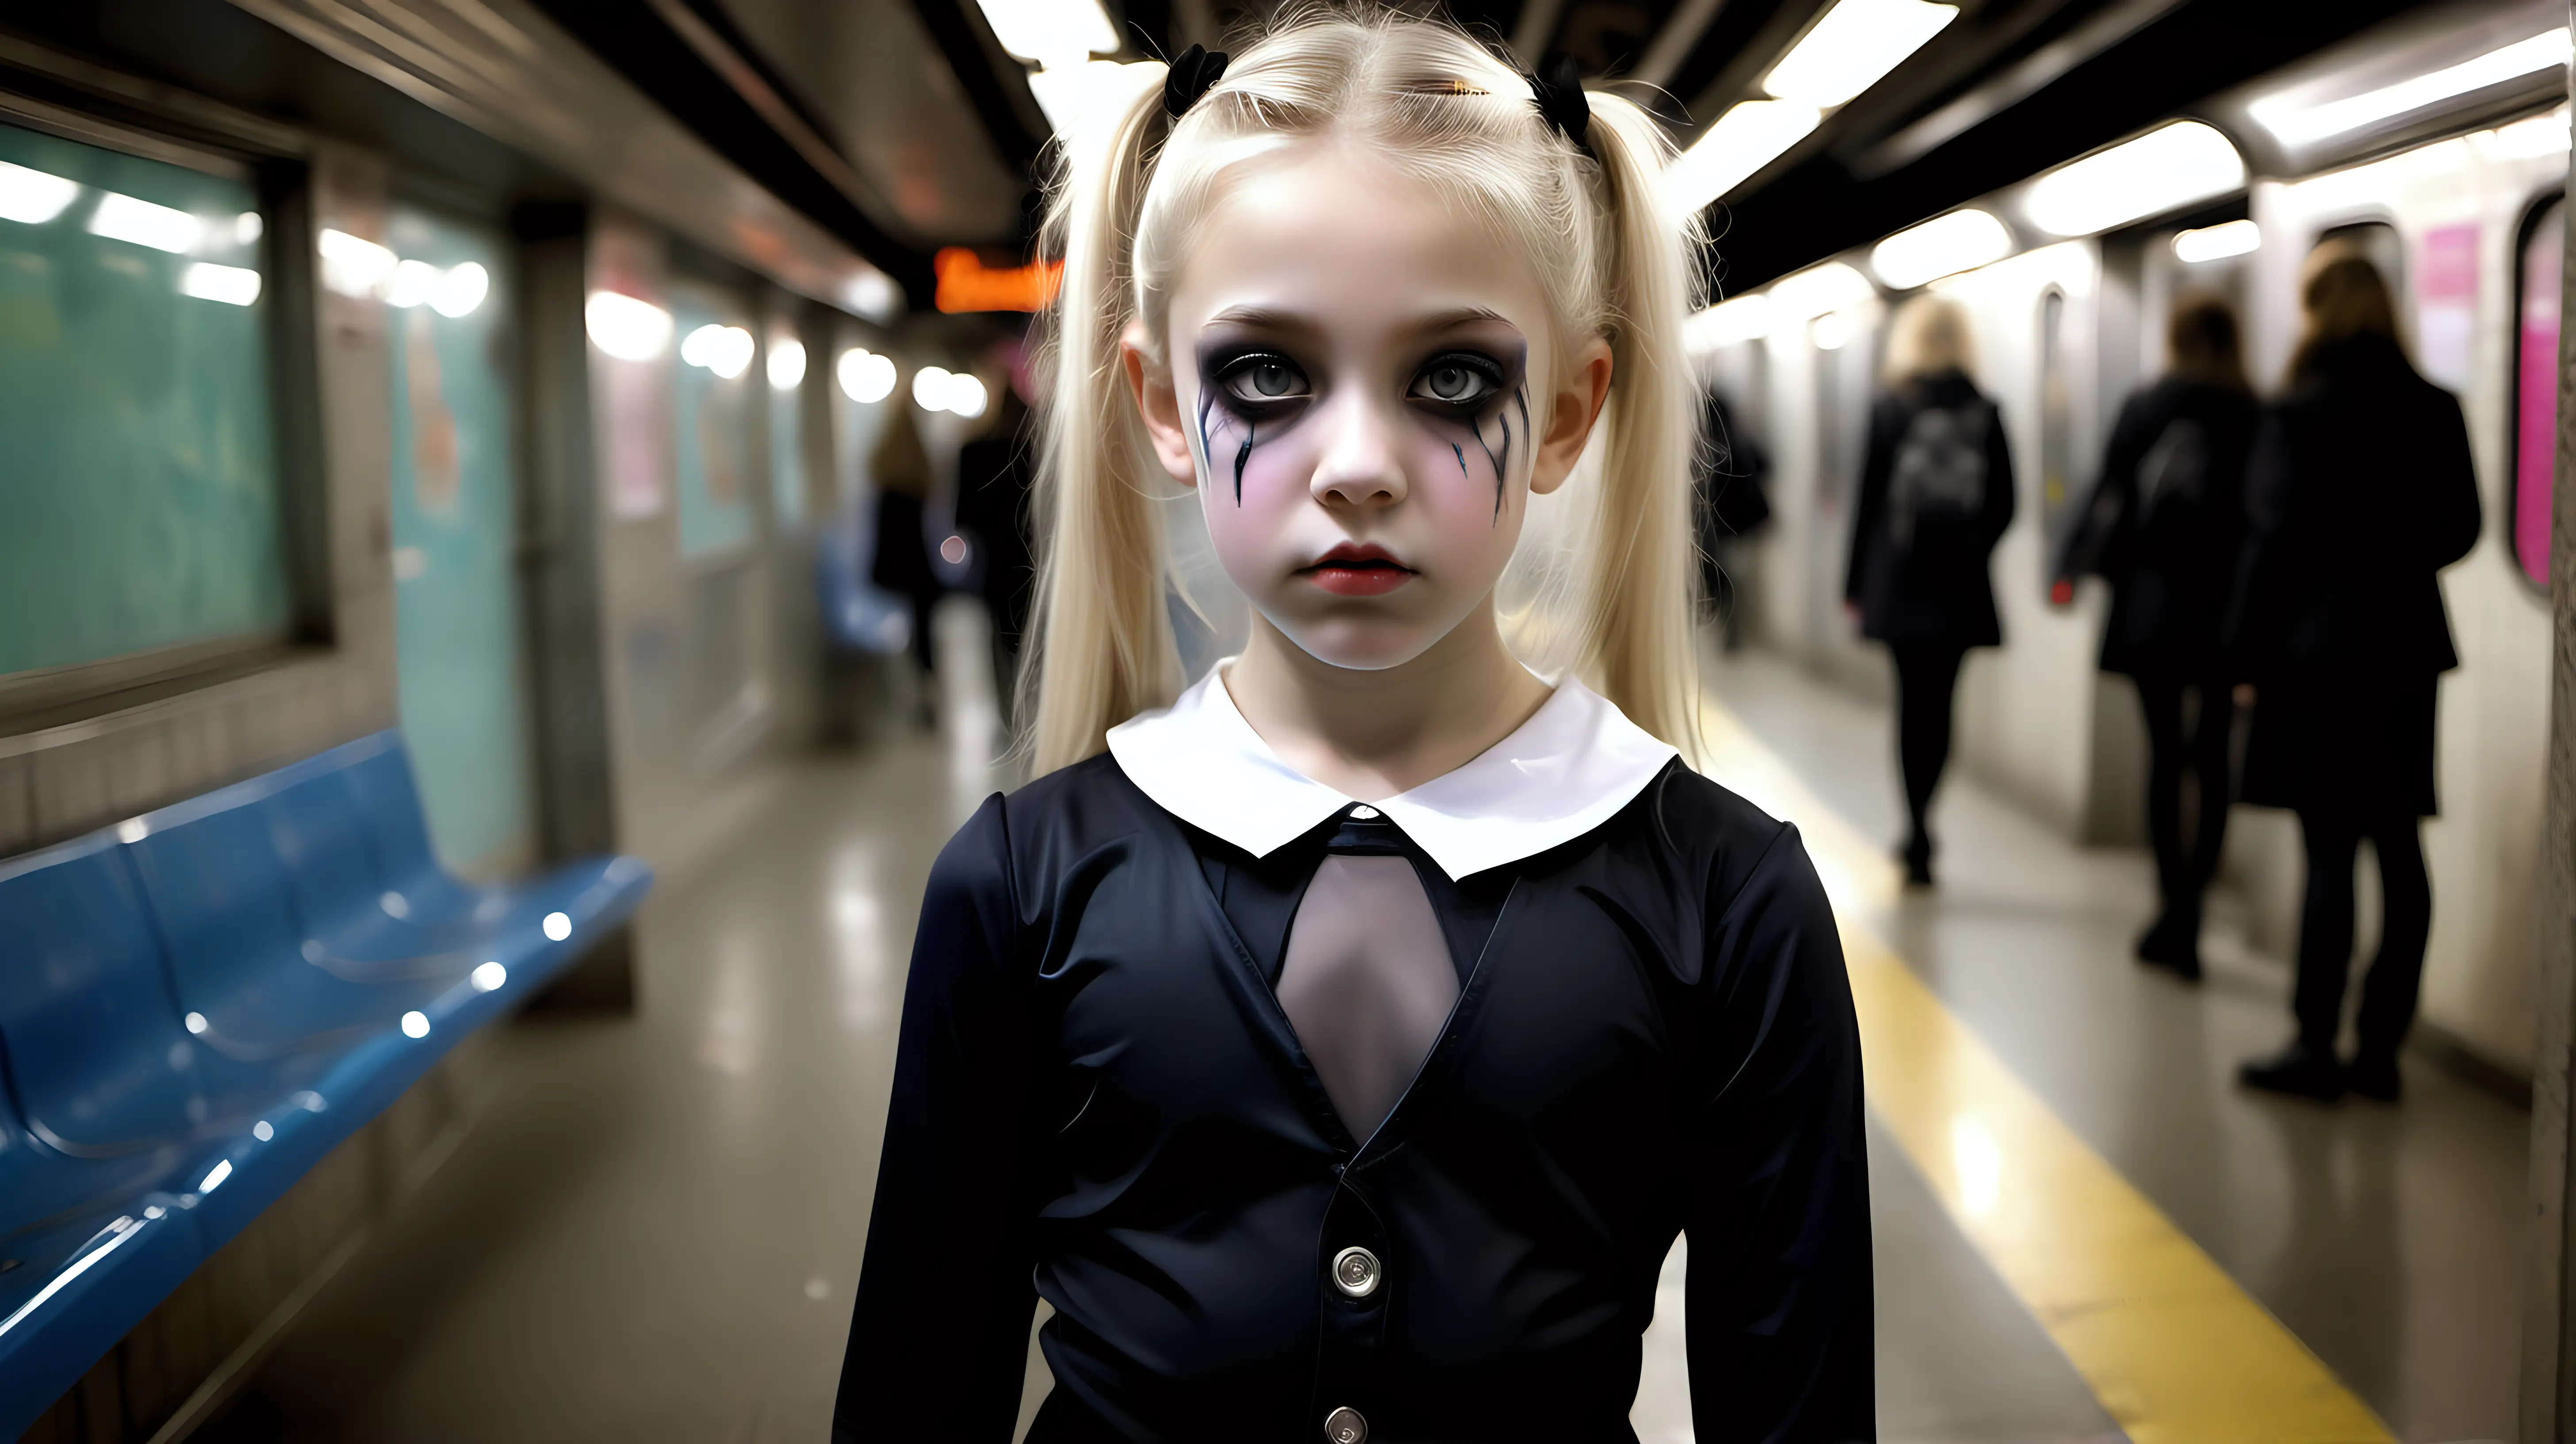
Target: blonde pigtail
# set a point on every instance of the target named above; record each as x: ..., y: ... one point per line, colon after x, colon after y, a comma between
x: 1635, y: 597
x: 1103, y: 641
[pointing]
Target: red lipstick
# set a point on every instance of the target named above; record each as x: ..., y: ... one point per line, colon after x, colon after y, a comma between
x: 1354, y: 570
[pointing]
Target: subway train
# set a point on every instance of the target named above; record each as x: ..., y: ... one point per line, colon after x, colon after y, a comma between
x: 2458, y: 199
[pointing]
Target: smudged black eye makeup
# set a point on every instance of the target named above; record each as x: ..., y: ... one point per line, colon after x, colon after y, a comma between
x: 1464, y: 380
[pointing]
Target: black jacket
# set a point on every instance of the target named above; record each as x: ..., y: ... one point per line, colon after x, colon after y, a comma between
x: 2360, y: 490
x: 1098, y: 1101
x: 2165, y: 524
x: 1929, y: 516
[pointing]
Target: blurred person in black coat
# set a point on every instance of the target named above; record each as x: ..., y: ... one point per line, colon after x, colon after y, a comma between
x: 2359, y: 493
x: 1732, y: 504
x: 995, y: 472
x: 901, y: 470
x: 2164, y: 527
x: 1936, y: 494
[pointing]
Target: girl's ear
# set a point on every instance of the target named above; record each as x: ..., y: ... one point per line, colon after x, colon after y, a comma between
x: 1570, y: 414
x: 1159, y: 404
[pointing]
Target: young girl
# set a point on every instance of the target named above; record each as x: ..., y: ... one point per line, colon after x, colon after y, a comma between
x: 1339, y: 1047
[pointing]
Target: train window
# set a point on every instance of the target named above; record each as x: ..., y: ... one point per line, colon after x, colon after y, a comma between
x: 2056, y: 415
x: 2535, y: 411
x: 713, y: 430
x: 139, y: 508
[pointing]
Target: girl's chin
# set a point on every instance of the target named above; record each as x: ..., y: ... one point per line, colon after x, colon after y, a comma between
x: 1359, y: 646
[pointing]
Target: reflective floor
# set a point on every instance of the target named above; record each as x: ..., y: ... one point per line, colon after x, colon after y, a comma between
x: 653, y: 1231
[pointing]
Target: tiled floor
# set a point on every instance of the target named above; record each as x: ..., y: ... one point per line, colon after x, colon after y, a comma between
x: 653, y: 1233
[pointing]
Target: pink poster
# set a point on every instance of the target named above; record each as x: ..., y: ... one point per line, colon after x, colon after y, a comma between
x: 2446, y: 303
x: 2535, y: 442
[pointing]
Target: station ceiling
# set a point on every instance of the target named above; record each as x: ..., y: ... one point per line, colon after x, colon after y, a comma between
x: 902, y: 124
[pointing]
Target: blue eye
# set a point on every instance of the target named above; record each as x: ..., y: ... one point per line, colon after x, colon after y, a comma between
x: 1456, y: 380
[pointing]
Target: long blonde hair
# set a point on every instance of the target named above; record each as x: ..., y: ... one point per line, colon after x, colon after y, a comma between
x: 1929, y: 337
x: 1608, y: 255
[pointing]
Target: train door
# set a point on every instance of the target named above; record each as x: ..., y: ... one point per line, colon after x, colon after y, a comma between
x: 715, y: 462
x: 2056, y: 426
x: 457, y: 621
x: 2541, y: 262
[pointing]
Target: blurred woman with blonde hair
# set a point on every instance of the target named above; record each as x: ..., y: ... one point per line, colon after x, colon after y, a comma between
x: 1936, y: 493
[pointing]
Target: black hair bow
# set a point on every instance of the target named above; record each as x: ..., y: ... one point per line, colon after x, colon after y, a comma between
x: 1558, y: 90
x: 1191, y: 73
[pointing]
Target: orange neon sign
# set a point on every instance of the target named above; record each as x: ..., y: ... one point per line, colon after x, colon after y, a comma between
x: 967, y: 284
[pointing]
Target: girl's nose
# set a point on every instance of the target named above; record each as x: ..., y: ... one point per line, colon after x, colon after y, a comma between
x: 1361, y: 465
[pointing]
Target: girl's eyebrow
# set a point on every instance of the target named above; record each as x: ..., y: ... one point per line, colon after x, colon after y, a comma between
x: 1267, y: 318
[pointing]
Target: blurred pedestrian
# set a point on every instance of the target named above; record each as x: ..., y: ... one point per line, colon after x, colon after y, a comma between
x: 1936, y: 493
x: 2164, y: 527
x: 995, y: 471
x: 901, y: 468
x: 2359, y: 492
x: 1733, y: 504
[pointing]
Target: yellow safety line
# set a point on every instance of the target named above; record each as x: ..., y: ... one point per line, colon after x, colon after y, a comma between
x: 2173, y: 1349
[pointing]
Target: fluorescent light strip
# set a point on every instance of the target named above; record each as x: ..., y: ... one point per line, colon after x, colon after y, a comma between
x: 1819, y: 289
x: 1943, y: 246
x: 1856, y: 43
x: 2174, y: 166
x: 2298, y: 124
x: 2217, y: 243
x: 1745, y: 139
x: 232, y: 285
x: 31, y: 197
x: 141, y: 223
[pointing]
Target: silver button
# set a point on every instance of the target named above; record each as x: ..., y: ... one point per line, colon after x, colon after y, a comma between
x: 1345, y: 1426
x: 1363, y: 812
x: 1356, y: 1272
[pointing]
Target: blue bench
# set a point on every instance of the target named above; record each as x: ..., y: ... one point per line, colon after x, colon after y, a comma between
x: 197, y: 1004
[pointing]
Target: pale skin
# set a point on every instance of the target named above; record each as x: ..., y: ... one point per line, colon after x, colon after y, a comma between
x: 1362, y: 388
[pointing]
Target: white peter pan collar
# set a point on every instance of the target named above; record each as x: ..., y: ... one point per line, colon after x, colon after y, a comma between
x: 1562, y: 773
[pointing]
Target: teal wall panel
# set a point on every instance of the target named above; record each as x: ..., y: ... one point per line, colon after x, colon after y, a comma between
x: 457, y: 620
x: 712, y: 432
x: 138, y: 472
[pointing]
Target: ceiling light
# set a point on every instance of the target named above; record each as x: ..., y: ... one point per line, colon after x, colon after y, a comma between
x: 411, y: 284
x: 123, y: 218
x: 352, y: 265
x: 1745, y: 139
x: 31, y: 197
x: 461, y: 290
x: 2173, y: 166
x: 966, y: 396
x: 1857, y: 42
x: 2298, y: 124
x: 786, y: 364
x: 1832, y: 331
x: 232, y: 285
x: 930, y: 388
x: 1050, y: 32
x: 626, y: 328
x: 1084, y: 98
x: 725, y: 350
x: 1729, y: 323
x: 871, y: 293
x: 1818, y: 289
x: 248, y: 227
x: 2217, y: 243
x: 1944, y: 246
x: 865, y: 376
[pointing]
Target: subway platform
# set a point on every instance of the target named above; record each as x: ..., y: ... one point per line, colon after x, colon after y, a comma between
x: 2084, y: 1230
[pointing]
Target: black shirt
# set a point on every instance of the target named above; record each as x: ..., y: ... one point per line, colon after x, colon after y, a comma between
x: 1098, y: 1100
